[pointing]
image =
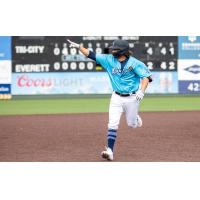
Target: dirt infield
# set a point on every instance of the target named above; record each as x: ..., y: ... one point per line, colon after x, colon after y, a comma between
x: 165, y: 136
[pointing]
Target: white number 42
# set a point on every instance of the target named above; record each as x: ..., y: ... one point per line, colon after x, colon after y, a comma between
x: 194, y: 87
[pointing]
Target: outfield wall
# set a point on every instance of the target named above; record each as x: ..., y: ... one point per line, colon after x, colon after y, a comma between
x: 5, y: 67
x: 46, y: 65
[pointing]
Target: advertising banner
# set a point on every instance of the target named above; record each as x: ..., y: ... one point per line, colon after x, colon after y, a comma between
x: 5, y: 48
x: 163, y: 83
x: 189, y: 64
x: 189, y: 69
x: 189, y: 47
x: 5, y: 71
x: 83, y: 83
x: 61, y: 83
x: 192, y: 87
x: 5, y: 67
x: 5, y: 88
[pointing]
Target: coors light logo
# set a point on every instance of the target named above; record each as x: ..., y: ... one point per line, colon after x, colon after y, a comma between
x: 25, y: 81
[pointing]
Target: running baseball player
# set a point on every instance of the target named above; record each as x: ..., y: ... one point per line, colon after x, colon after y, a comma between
x: 129, y: 79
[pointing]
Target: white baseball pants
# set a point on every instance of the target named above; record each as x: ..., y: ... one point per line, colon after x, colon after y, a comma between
x: 118, y: 105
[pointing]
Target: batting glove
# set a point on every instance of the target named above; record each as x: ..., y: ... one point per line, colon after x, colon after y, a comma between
x: 139, y: 95
x: 73, y: 44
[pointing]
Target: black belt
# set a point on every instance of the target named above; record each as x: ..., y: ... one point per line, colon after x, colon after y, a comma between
x: 124, y: 95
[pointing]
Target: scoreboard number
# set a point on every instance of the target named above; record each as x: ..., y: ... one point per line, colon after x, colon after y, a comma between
x: 163, y: 65
x: 163, y: 51
x: 171, y: 65
x: 56, y: 66
x: 90, y: 65
x: 81, y: 65
x: 73, y: 51
x: 56, y: 50
x: 65, y: 66
x: 73, y: 66
x: 150, y: 65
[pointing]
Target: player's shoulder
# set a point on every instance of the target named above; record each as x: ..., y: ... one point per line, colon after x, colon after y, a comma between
x: 109, y: 56
x: 105, y: 56
x: 136, y: 62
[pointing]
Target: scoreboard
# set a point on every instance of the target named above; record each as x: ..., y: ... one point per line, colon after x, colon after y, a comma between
x: 35, y: 54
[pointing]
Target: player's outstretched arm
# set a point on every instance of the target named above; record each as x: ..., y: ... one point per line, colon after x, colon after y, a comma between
x: 83, y: 50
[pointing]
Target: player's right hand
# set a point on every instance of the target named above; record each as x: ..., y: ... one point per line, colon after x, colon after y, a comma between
x: 73, y: 44
x: 139, y: 95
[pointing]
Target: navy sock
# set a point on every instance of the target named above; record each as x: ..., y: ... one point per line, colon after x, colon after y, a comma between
x: 112, y: 134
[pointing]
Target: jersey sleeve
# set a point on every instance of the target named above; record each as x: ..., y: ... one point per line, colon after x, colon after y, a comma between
x: 142, y: 71
x: 101, y: 59
x: 92, y: 55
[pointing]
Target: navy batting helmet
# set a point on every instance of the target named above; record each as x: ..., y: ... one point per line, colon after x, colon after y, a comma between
x: 119, y: 47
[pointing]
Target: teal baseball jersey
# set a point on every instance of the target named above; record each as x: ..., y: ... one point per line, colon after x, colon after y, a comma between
x: 125, y: 79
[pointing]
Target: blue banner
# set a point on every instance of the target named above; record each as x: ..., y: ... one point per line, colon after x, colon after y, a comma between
x: 5, y: 88
x: 189, y: 47
x: 192, y: 87
x: 5, y: 48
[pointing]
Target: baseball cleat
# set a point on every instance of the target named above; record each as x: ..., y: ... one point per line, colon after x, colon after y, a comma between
x: 139, y: 121
x: 107, y: 154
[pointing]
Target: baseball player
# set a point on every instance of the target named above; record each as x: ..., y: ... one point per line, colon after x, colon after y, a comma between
x: 129, y: 79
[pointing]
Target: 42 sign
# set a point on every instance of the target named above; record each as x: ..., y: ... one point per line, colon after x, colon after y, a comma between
x: 189, y: 87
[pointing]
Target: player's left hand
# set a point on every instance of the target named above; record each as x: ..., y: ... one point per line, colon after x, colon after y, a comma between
x: 73, y: 44
x: 139, y: 95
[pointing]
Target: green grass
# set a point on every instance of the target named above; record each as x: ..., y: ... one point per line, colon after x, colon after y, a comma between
x: 171, y: 103
x: 52, y: 106
x: 89, y: 105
